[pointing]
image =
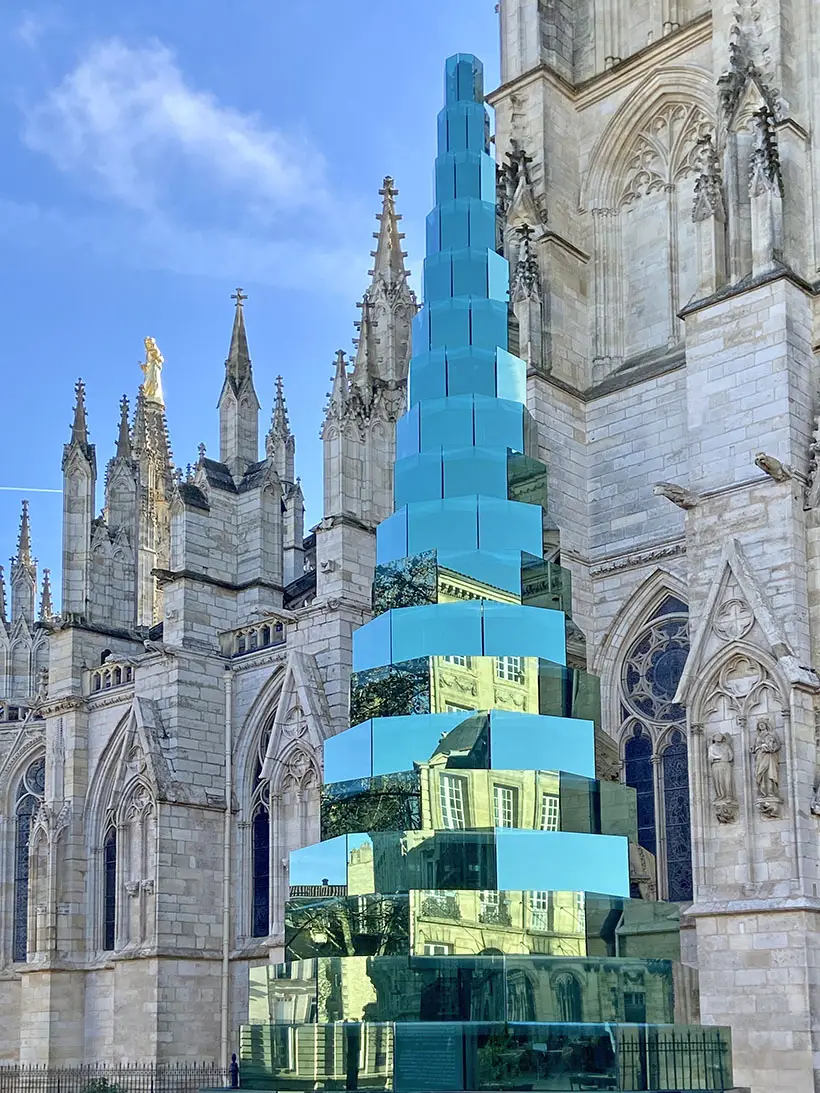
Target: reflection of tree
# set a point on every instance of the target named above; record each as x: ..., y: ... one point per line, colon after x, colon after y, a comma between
x: 354, y: 926
x: 391, y: 691
x: 388, y: 802
x: 502, y: 1059
x: 409, y: 582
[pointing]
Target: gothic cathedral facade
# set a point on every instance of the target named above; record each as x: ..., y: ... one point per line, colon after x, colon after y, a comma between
x: 160, y: 735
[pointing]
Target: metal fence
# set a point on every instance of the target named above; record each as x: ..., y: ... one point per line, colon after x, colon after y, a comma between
x: 102, y: 1078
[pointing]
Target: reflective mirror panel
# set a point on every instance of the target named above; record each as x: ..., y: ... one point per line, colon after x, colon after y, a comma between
x: 389, y: 802
x: 349, y: 754
x: 407, y: 582
x: 563, y: 860
x: 414, y: 1056
x: 347, y: 926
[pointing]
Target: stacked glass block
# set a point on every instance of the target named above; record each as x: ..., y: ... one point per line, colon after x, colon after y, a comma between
x: 466, y: 921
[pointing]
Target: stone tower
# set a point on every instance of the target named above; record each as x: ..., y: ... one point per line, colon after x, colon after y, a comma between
x: 656, y: 185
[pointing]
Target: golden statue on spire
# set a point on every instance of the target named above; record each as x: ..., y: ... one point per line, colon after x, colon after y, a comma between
x: 152, y: 370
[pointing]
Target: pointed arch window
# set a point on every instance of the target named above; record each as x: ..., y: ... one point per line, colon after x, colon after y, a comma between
x: 260, y: 847
x: 568, y: 996
x: 30, y: 794
x: 110, y: 889
x: 653, y: 734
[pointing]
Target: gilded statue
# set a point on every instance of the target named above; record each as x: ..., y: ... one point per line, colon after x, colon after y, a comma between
x: 152, y: 370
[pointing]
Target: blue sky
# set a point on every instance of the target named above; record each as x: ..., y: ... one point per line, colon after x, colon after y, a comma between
x: 156, y: 155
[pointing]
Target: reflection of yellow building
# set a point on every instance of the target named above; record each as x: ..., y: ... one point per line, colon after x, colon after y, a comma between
x: 462, y: 799
x: 484, y: 683
x: 469, y: 923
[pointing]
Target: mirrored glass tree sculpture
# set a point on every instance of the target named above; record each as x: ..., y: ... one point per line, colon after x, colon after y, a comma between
x: 467, y: 921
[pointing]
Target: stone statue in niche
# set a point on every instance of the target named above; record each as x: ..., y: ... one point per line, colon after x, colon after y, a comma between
x: 721, y: 760
x: 766, y: 750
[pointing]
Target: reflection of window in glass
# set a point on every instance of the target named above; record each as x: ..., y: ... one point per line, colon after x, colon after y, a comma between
x: 550, y: 812
x: 504, y: 806
x: 453, y: 707
x: 436, y: 948
x: 452, y: 802
x: 540, y: 910
x: 461, y: 662
x: 510, y: 669
x: 30, y: 794
x: 568, y: 995
x: 635, y: 1007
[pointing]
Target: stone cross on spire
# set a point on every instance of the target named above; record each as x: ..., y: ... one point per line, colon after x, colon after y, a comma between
x: 238, y: 364
x: 389, y: 256
x: 238, y: 404
x: 79, y: 427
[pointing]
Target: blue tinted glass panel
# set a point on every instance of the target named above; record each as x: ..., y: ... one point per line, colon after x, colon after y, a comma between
x: 421, y: 331
x: 433, y: 226
x: 498, y: 277
x: 372, y: 644
x: 348, y: 755
x: 563, y: 861
x: 504, y: 525
x: 447, y: 525
x: 445, y: 629
x: 408, y: 433
x: 515, y: 631
x: 476, y: 132
x: 449, y: 322
x: 475, y: 470
x: 499, y: 422
x: 501, y: 569
x: 399, y: 742
x: 320, y: 864
x: 455, y: 225
x: 482, y: 223
x: 445, y: 179
x: 438, y: 277
x: 470, y: 372
x: 418, y: 478
x: 512, y: 377
x: 391, y: 538
x: 520, y: 741
x: 447, y: 422
x: 488, y: 179
x: 455, y: 129
x: 488, y: 321
x: 428, y: 376
x: 468, y: 174
x: 469, y: 273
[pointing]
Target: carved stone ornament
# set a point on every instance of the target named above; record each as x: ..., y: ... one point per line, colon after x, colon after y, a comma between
x: 766, y: 751
x: 721, y: 761
x: 709, y: 183
x: 733, y: 620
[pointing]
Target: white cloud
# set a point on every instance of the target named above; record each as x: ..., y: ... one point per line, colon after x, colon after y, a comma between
x: 126, y: 118
x: 34, y: 26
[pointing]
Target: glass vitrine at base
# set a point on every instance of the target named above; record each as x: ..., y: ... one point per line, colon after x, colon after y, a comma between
x: 469, y: 920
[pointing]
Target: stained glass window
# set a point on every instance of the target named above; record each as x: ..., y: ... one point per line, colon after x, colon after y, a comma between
x: 110, y: 889
x: 260, y: 847
x: 638, y: 774
x: 29, y: 798
x: 676, y: 816
x: 649, y: 680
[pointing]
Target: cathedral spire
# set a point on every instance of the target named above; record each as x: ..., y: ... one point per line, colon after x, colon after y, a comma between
x: 46, y: 602
x: 280, y: 443
x: 238, y: 365
x: 79, y: 426
x: 238, y: 404
x: 124, y: 436
x: 3, y: 615
x: 23, y: 572
x: 24, y: 557
x: 388, y: 254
